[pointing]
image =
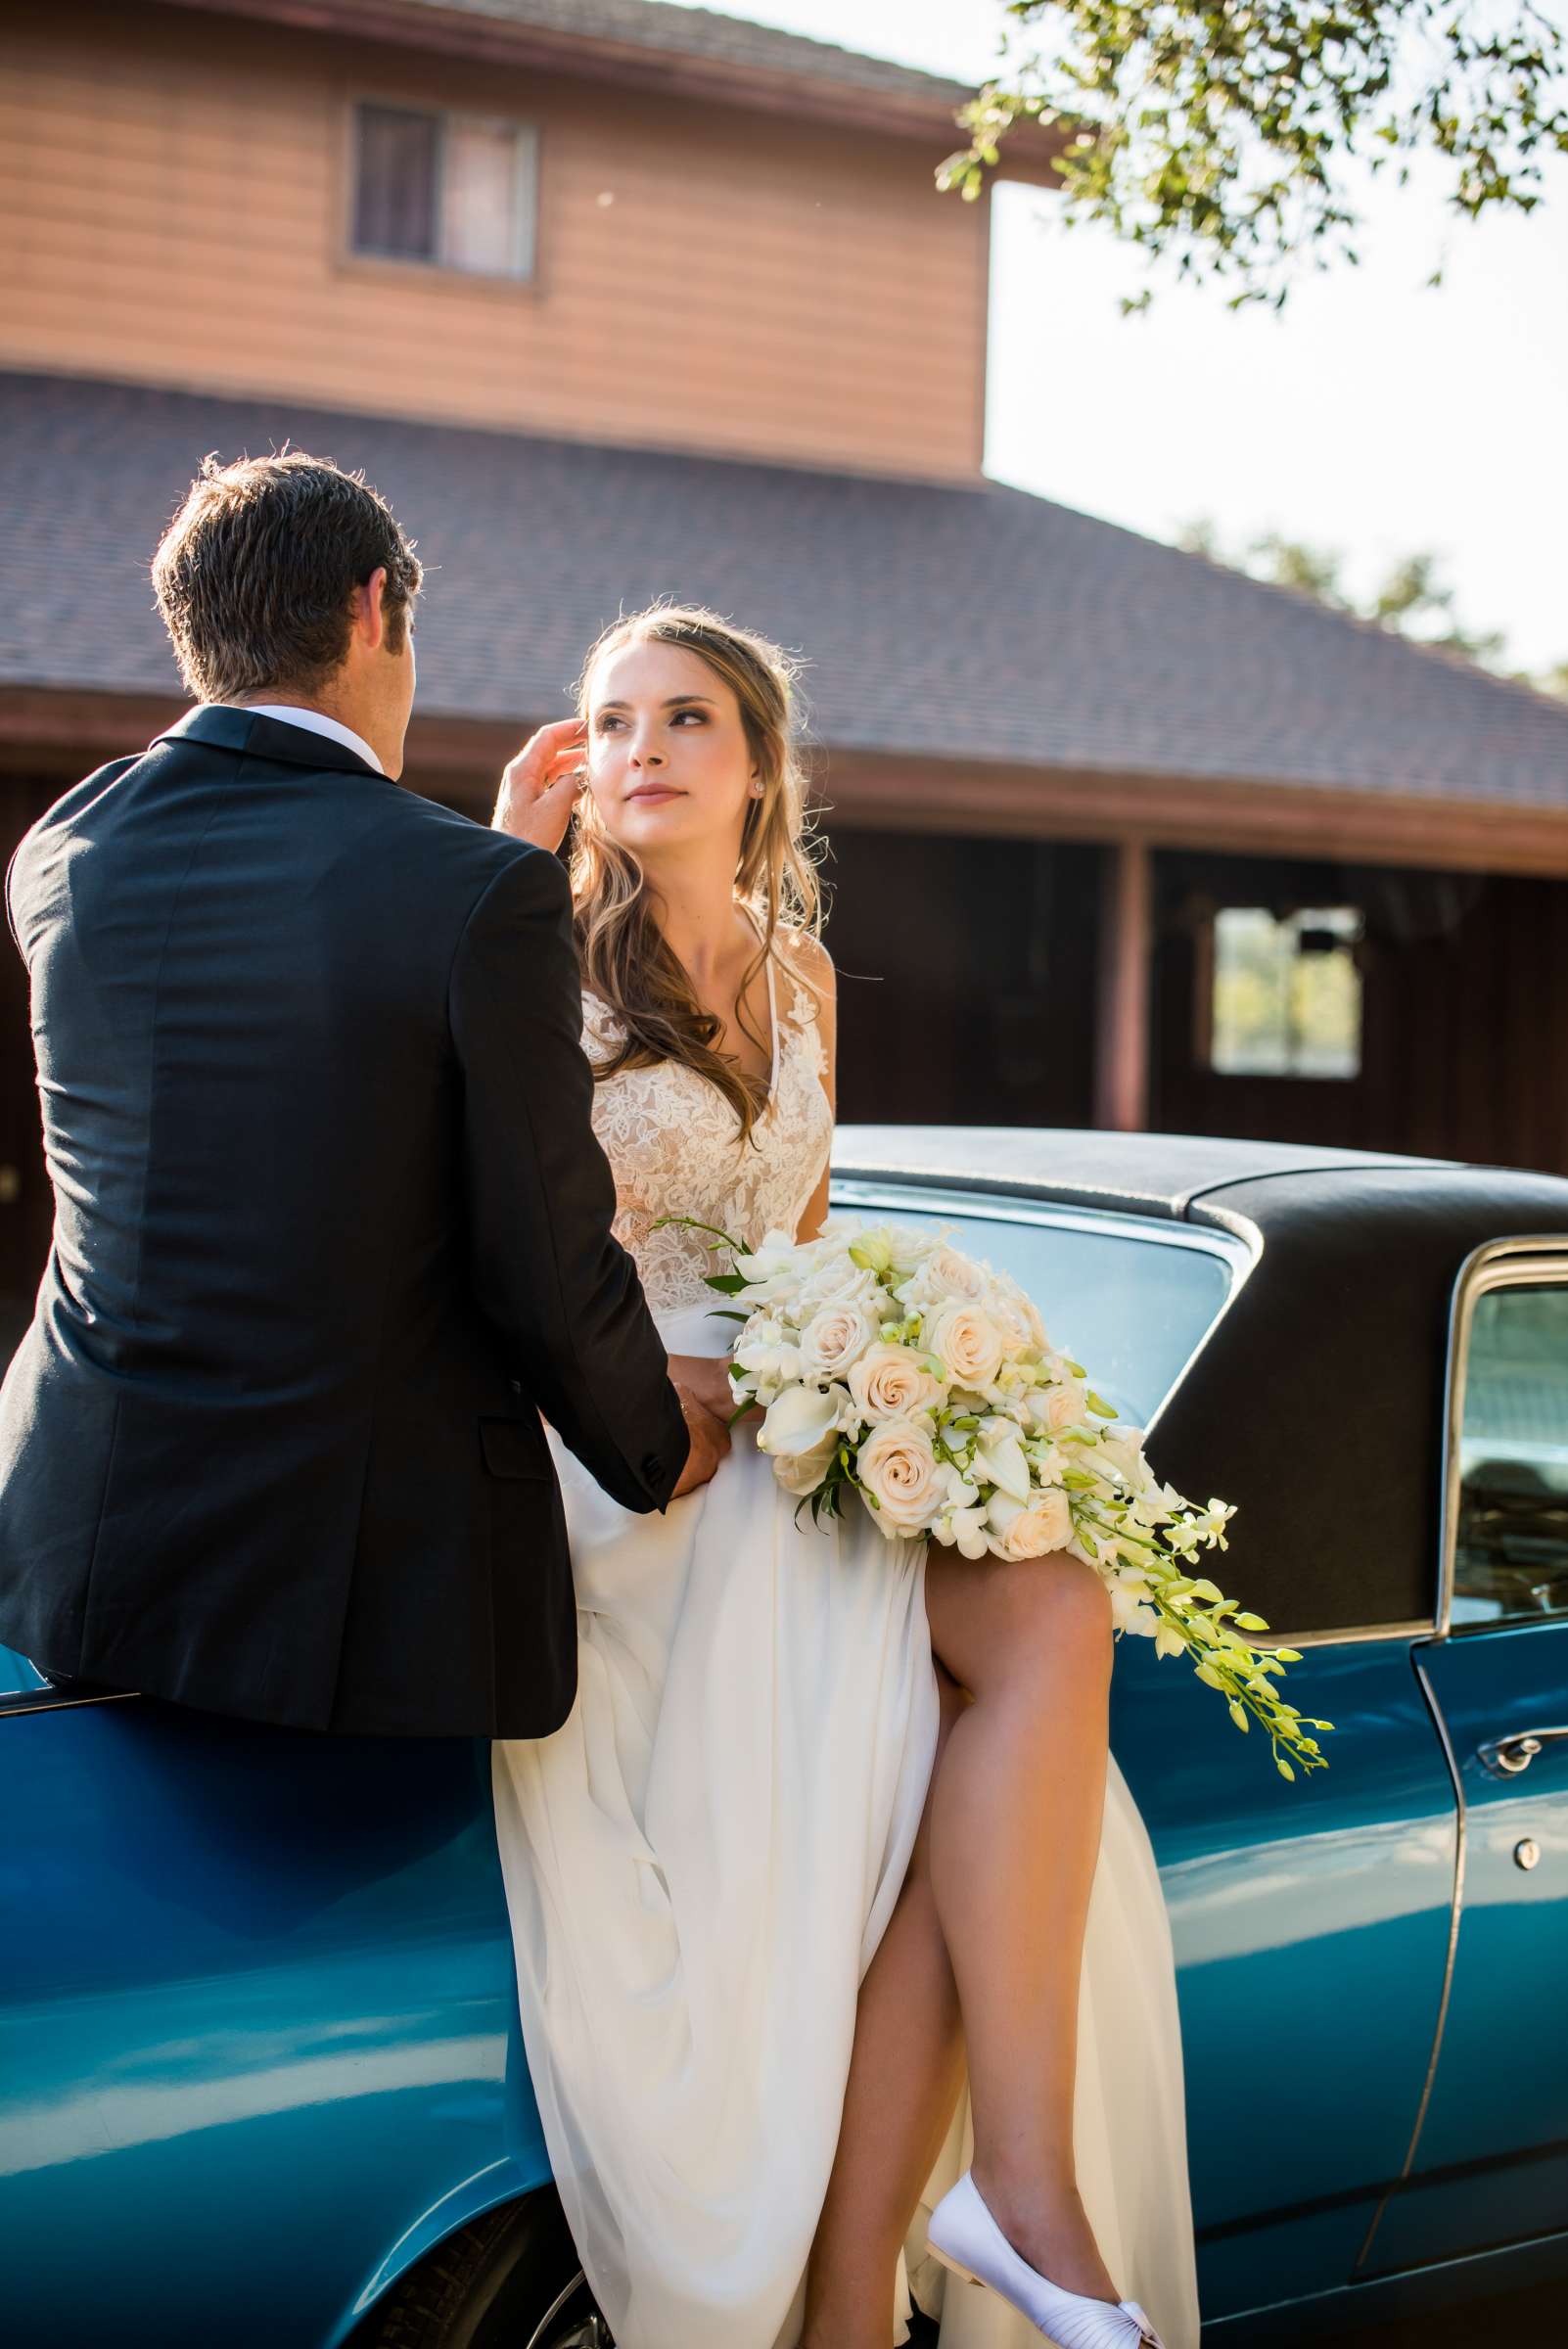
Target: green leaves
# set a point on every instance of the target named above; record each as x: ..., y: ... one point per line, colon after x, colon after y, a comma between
x: 1222, y: 138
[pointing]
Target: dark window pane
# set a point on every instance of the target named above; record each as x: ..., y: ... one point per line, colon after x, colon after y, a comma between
x: 397, y: 156
x: 1511, y: 1559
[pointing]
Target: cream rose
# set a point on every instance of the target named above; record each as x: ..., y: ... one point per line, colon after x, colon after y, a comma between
x: 1020, y: 1531
x: 834, y: 1338
x: 1027, y: 1310
x: 891, y: 1382
x: 966, y: 1342
x: 897, y: 1469
x: 1057, y: 1407
x: 945, y: 1276
x: 1008, y: 1314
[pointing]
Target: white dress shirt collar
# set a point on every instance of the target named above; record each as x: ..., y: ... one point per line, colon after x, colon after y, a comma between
x: 316, y: 722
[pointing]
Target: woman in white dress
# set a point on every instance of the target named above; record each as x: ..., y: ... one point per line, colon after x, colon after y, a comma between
x: 831, y: 1830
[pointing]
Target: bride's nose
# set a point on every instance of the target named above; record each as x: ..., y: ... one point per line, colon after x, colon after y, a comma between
x: 646, y: 757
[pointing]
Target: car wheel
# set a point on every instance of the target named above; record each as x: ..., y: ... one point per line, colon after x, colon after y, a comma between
x: 509, y: 2279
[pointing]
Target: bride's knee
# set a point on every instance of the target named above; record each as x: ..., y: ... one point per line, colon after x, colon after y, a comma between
x: 1057, y: 1611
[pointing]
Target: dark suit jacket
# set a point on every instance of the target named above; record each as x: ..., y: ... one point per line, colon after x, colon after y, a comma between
x: 332, y: 1228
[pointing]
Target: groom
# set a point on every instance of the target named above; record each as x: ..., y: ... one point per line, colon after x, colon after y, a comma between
x: 331, y: 1227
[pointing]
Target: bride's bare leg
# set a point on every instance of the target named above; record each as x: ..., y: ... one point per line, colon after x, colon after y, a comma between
x: 1015, y: 1831
x: 904, y: 2077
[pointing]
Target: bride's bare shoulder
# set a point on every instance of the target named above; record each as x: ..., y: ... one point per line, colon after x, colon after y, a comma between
x: 807, y: 960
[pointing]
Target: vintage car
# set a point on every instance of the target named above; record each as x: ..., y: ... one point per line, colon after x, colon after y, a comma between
x: 261, y: 2078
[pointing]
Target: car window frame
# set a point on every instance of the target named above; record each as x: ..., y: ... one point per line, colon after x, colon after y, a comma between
x: 1240, y: 1251
x: 1526, y: 1260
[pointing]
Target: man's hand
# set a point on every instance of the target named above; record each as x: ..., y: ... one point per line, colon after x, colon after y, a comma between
x: 539, y: 788
x: 710, y: 1441
x: 707, y: 1376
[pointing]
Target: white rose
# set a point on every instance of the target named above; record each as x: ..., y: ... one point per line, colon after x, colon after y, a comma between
x: 838, y: 1281
x: 834, y: 1338
x: 945, y: 1276
x: 1020, y: 1531
x: 803, y: 1471
x: 799, y: 1420
x: 966, y: 1342
x: 897, y: 1467
x: 891, y: 1382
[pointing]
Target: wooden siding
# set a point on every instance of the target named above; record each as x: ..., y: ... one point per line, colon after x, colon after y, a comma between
x: 176, y: 198
x: 1464, y: 1044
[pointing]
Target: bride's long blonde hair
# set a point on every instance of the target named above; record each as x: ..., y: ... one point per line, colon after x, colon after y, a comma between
x: 620, y: 948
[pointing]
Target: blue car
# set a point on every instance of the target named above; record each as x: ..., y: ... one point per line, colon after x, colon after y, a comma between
x: 261, y: 2078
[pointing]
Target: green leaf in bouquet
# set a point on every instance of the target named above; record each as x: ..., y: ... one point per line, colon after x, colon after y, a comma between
x: 728, y: 1284
x: 690, y: 1224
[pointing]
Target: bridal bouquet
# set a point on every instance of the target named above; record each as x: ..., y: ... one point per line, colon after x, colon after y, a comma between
x: 894, y: 1371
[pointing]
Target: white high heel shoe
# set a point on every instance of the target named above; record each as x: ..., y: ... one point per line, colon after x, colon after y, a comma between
x: 965, y: 2237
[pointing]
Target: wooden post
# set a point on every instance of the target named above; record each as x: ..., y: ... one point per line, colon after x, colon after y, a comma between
x: 1122, y: 1010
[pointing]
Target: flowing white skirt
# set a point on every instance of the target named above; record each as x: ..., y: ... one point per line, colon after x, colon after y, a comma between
x: 698, y: 1866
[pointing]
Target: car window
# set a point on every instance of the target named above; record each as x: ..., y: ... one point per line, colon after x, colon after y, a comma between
x: 1511, y: 1547
x: 1133, y: 1311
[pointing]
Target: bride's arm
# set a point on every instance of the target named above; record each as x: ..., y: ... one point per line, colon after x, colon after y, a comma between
x: 814, y: 967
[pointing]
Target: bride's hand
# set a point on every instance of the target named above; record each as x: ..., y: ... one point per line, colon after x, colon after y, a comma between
x: 539, y: 787
x: 708, y: 1378
x: 710, y: 1441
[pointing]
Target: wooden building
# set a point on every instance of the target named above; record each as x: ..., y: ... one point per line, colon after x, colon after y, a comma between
x: 616, y: 299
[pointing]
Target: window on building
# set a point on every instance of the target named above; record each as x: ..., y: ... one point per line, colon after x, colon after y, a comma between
x: 1284, y: 992
x: 455, y: 191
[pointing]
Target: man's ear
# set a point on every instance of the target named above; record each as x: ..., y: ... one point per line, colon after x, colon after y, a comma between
x: 370, y: 620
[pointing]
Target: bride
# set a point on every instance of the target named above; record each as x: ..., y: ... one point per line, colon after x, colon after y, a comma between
x: 827, y: 1887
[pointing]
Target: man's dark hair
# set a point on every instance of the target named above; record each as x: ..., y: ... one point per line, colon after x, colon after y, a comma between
x: 256, y: 574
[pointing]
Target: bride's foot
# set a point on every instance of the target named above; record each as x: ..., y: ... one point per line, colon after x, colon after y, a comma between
x: 966, y: 2236
x: 1050, y: 2230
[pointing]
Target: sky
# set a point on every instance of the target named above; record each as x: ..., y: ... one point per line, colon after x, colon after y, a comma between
x: 1373, y: 416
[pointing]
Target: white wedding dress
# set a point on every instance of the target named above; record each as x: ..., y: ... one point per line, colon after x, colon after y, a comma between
x: 700, y: 1863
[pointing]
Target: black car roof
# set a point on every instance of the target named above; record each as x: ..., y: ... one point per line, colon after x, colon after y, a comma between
x: 1143, y: 1174
x: 1317, y: 1404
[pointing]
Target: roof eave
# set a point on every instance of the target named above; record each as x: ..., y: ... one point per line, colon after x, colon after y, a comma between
x: 584, y: 57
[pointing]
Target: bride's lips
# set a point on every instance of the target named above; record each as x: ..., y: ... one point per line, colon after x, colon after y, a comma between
x: 656, y: 791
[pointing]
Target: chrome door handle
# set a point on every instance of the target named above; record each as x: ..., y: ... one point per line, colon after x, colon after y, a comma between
x: 1506, y: 1757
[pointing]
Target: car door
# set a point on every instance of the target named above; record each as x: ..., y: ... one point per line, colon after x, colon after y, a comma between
x: 1490, y: 2163
x: 1310, y: 1922
x: 257, y: 2019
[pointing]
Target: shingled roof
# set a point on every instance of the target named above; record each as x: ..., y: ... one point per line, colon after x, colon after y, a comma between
x: 970, y: 623
x: 705, y: 33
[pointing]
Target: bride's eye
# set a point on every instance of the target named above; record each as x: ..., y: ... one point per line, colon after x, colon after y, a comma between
x: 700, y: 715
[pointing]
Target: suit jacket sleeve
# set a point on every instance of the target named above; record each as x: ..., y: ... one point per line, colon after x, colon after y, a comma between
x: 547, y: 1265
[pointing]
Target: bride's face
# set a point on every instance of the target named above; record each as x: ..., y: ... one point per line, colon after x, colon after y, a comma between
x: 668, y: 763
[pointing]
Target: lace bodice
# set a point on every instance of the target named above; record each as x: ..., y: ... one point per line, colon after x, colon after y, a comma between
x: 675, y: 1147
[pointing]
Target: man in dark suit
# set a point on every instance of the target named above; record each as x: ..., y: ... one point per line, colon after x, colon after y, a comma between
x: 332, y: 1225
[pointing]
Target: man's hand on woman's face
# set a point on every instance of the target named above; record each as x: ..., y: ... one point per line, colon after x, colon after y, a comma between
x: 541, y: 786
